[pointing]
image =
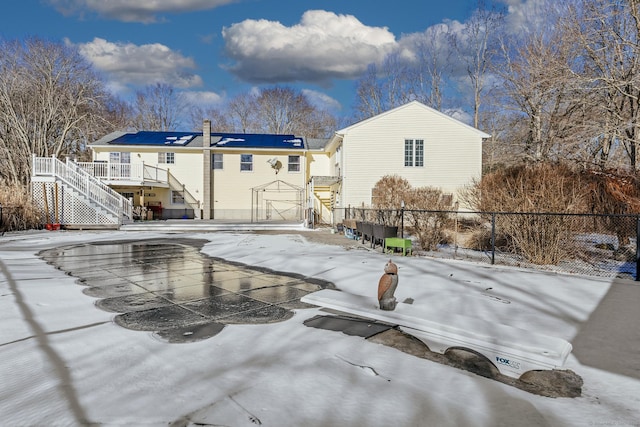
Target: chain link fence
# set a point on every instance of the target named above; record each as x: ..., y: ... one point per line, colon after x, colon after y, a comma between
x: 589, y: 244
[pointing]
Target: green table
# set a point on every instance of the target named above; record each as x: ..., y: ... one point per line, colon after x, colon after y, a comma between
x: 391, y: 243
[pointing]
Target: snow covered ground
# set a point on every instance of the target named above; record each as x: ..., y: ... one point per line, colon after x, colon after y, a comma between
x: 64, y: 362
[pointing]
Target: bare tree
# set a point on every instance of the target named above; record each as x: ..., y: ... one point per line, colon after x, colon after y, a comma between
x: 243, y: 113
x: 276, y: 110
x: 219, y: 121
x: 539, y: 90
x: 369, y: 97
x: 432, y: 65
x: 477, y: 46
x: 393, y: 83
x: 421, y: 71
x: 51, y: 103
x: 607, y: 33
x: 283, y: 110
x: 158, y: 108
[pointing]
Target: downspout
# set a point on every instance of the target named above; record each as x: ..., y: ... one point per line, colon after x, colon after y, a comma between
x: 206, y: 172
x: 305, y: 178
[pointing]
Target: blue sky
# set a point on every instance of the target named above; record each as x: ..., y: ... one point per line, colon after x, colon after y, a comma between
x: 214, y: 49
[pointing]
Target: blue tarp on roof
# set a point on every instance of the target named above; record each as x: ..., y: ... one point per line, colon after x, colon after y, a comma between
x: 231, y: 140
x: 155, y: 138
x: 244, y: 140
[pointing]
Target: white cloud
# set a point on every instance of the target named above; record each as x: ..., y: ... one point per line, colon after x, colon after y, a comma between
x: 140, y: 65
x: 435, y: 40
x: 203, y: 98
x: 459, y: 114
x: 322, y: 46
x: 134, y: 11
x: 322, y: 100
x: 528, y: 15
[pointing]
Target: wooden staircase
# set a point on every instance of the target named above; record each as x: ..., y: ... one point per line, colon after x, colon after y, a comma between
x: 325, y: 189
x: 72, y: 198
x: 325, y: 196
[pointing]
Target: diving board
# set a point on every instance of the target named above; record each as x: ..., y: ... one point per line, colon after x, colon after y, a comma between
x: 512, y: 350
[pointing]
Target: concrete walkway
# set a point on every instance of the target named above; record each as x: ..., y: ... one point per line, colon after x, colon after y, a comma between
x: 182, y: 225
x: 610, y: 339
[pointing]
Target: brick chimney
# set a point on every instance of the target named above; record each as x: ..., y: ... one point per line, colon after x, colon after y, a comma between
x: 206, y: 133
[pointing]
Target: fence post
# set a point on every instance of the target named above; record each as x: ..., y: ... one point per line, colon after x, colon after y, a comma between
x: 402, y: 219
x: 637, y: 248
x: 493, y: 238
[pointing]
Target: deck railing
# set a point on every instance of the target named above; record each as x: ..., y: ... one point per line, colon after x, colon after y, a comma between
x: 137, y: 172
x: 176, y: 185
x: 82, y: 181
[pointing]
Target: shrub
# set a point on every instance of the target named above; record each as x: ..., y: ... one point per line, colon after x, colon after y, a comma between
x: 18, y: 210
x: 613, y: 193
x: 420, y: 203
x: 388, y: 194
x: 543, y: 187
x: 428, y: 217
x: 479, y: 239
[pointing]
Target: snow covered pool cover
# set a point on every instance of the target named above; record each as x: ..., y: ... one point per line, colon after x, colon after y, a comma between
x: 176, y: 291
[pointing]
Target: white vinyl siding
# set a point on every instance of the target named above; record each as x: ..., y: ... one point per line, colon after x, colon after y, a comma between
x: 232, y: 189
x: 449, y: 156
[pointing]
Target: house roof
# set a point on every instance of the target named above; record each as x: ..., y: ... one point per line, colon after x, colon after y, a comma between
x: 342, y: 132
x: 195, y: 139
x: 317, y: 143
x: 242, y: 140
x: 155, y: 138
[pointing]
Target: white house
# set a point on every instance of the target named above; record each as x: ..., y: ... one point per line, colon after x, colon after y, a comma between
x: 261, y: 177
x: 206, y: 175
x: 414, y: 141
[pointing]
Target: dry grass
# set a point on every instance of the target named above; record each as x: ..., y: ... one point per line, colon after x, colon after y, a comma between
x: 18, y: 210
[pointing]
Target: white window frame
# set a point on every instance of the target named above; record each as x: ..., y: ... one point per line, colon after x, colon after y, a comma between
x: 167, y: 157
x: 294, y: 162
x: 414, y: 152
x: 120, y: 157
x: 177, y: 198
x: 246, y: 162
x: 219, y: 162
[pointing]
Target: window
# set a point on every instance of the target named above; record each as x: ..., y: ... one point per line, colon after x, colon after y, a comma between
x: 177, y: 198
x: 168, y: 158
x: 246, y: 162
x: 414, y: 152
x: 294, y: 164
x: 419, y: 152
x: 216, y: 161
x: 408, y: 152
x: 115, y: 157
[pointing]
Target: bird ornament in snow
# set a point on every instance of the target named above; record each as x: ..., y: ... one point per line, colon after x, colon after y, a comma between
x: 387, y: 286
